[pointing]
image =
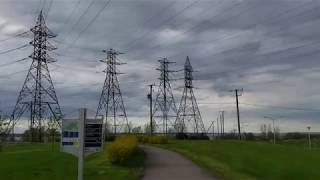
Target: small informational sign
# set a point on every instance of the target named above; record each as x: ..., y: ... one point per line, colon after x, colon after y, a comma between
x: 81, y: 137
x: 93, y: 136
x: 70, y: 136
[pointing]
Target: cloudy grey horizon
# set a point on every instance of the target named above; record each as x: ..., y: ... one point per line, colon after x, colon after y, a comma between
x: 268, y: 48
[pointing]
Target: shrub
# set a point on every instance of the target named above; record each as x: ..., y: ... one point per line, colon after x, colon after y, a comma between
x: 181, y: 136
x: 201, y: 136
x: 122, y: 149
x: 110, y: 138
x: 153, y: 139
x: 157, y: 140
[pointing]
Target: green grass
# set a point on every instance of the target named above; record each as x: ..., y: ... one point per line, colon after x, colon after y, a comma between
x: 315, y: 142
x: 38, y: 162
x: 251, y: 160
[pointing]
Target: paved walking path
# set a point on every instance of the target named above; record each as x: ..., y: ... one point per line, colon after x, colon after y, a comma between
x: 163, y: 164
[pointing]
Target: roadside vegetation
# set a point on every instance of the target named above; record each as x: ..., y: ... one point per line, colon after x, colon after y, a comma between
x: 230, y: 159
x: 40, y: 161
x: 146, y: 139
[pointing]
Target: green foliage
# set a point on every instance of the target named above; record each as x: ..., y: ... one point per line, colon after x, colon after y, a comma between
x: 153, y: 139
x: 251, y: 160
x: 39, y: 162
x: 123, y: 149
x: 157, y: 140
x: 200, y: 136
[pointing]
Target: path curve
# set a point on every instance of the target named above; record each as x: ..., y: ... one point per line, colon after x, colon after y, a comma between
x: 163, y: 164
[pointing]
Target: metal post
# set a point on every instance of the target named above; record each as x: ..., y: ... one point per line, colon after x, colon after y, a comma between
x: 274, y: 132
x: 151, y: 120
x: 238, y: 115
x: 309, y: 137
x: 82, y: 118
x: 213, y: 130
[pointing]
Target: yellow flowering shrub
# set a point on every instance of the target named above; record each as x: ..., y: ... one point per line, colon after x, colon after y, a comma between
x: 122, y: 149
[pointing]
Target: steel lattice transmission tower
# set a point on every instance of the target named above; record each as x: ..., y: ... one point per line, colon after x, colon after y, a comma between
x: 165, y: 109
x: 38, y: 96
x: 188, y: 116
x: 111, y: 103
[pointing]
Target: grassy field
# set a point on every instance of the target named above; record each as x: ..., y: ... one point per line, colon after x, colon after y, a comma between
x: 251, y: 160
x: 39, y: 161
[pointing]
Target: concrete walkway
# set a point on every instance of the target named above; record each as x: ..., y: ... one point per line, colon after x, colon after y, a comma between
x: 162, y: 164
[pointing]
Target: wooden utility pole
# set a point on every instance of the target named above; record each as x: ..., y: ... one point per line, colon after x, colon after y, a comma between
x: 238, y: 93
x: 150, y: 98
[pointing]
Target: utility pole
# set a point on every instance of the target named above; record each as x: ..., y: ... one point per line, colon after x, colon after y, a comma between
x: 222, y: 122
x: 218, y: 131
x: 273, y: 127
x: 151, y: 115
x: 213, y: 129
x: 238, y: 93
x: 309, y: 136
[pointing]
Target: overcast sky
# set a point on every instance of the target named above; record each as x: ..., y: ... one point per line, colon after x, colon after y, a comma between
x: 269, y: 48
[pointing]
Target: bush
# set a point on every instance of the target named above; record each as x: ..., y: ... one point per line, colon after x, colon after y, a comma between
x: 122, y: 149
x: 249, y: 136
x: 110, y: 138
x: 157, y: 140
x: 181, y: 136
x: 201, y: 136
x: 153, y: 139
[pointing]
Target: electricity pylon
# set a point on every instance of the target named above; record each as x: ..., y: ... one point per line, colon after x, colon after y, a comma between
x: 38, y: 96
x: 164, y: 108
x: 188, y: 116
x: 111, y: 103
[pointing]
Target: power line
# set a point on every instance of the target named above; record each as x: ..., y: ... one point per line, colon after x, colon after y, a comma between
x: 14, y: 49
x: 10, y: 63
x: 81, y: 16
x: 281, y: 107
x: 91, y: 22
x: 14, y: 36
x: 262, y: 106
x: 70, y: 15
x: 162, y: 23
x: 12, y: 74
x: 236, y: 35
x: 227, y: 10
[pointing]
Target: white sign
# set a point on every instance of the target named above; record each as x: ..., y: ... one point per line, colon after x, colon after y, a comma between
x: 70, y: 136
x: 81, y: 137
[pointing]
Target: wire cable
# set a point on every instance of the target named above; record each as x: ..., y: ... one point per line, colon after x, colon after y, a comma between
x: 14, y: 49
x: 90, y: 23
x: 10, y: 63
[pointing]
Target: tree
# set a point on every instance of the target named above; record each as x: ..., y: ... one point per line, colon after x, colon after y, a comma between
x: 270, y: 132
x: 263, y: 129
x: 147, y: 128
x: 277, y: 132
x: 3, y: 128
x: 136, y: 130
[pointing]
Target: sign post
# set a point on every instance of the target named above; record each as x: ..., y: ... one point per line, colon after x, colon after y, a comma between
x: 82, y: 115
x: 81, y: 137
